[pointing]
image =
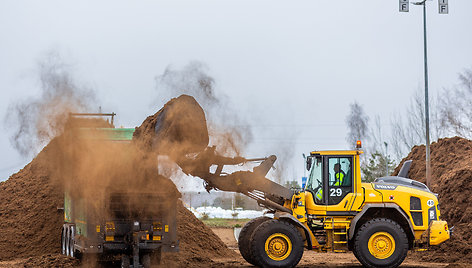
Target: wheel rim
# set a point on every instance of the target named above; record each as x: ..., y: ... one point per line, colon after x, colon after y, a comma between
x: 381, y: 245
x: 278, y: 247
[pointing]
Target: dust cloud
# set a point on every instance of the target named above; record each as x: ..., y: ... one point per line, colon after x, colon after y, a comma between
x: 227, y: 128
x: 93, y: 169
x: 35, y: 121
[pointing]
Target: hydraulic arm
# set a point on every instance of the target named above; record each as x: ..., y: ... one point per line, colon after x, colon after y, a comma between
x: 179, y: 130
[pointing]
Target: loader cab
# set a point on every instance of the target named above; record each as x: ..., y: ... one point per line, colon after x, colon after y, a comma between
x: 333, y: 181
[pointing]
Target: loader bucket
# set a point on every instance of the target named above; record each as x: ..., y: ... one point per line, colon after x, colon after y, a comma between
x: 177, y: 129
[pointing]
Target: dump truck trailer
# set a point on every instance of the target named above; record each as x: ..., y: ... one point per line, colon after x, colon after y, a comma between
x: 122, y: 233
x: 135, y: 223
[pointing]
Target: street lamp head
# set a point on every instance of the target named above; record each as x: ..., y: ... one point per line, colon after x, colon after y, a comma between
x: 420, y: 3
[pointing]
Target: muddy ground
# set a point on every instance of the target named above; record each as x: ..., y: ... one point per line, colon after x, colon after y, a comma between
x: 310, y: 259
x: 314, y: 259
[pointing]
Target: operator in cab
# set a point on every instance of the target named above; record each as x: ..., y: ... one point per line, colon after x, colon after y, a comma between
x: 339, y: 175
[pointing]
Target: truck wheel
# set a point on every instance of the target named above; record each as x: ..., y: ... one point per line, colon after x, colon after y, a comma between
x: 146, y: 260
x: 244, y: 239
x: 276, y: 243
x: 63, y: 241
x: 125, y: 263
x: 67, y: 240
x: 72, y: 242
x: 156, y: 256
x: 381, y: 243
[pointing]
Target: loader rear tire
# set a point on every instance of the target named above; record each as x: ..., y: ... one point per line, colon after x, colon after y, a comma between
x: 276, y: 243
x: 244, y: 239
x: 381, y: 243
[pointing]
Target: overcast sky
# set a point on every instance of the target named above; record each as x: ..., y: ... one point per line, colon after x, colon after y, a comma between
x: 291, y: 68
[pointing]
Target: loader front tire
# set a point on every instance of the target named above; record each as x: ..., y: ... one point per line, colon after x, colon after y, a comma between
x: 276, y: 243
x: 244, y: 239
x: 381, y: 243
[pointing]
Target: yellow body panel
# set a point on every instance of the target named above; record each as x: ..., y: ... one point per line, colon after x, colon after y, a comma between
x: 299, y: 210
x: 438, y: 232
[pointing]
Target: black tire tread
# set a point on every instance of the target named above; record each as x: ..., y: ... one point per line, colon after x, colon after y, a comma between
x: 381, y: 221
x: 244, y: 239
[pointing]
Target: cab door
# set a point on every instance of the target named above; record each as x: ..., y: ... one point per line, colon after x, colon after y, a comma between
x: 315, y: 202
x: 339, y: 184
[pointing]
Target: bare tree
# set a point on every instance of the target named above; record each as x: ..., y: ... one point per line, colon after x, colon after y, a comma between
x: 375, y: 136
x: 357, y: 123
x: 410, y: 130
x: 455, y: 106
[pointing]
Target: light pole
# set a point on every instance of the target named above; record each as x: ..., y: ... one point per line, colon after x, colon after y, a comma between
x: 304, y: 165
x: 386, y: 158
x: 426, y: 95
x: 443, y: 9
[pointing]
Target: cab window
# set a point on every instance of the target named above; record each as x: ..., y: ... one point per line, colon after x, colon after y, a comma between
x: 315, y: 180
x: 339, y: 178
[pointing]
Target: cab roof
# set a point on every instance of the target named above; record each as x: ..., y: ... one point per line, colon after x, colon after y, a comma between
x: 337, y: 152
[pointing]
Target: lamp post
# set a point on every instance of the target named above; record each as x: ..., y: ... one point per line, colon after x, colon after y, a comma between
x: 443, y: 9
x: 426, y: 95
x: 386, y: 158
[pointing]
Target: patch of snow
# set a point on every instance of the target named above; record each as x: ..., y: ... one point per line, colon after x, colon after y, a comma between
x: 217, y: 212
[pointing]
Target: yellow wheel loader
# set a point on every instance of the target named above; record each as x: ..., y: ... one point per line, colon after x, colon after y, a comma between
x: 335, y: 212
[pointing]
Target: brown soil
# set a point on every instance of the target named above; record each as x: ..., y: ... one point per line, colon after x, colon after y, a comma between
x: 181, y: 128
x: 50, y: 260
x: 451, y: 164
x: 199, y: 245
x: 30, y: 224
x: 316, y: 259
x: 227, y: 236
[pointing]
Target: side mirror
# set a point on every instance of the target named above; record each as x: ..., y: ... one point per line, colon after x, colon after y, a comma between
x: 309, y: 162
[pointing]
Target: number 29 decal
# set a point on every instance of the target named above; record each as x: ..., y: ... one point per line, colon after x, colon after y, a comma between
x: 335, y: 192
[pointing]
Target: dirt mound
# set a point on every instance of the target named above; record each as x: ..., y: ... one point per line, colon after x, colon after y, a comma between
x: 198, y: 243
x: 51, y: 260
x: 30, y: 224
x: 451, y: 164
